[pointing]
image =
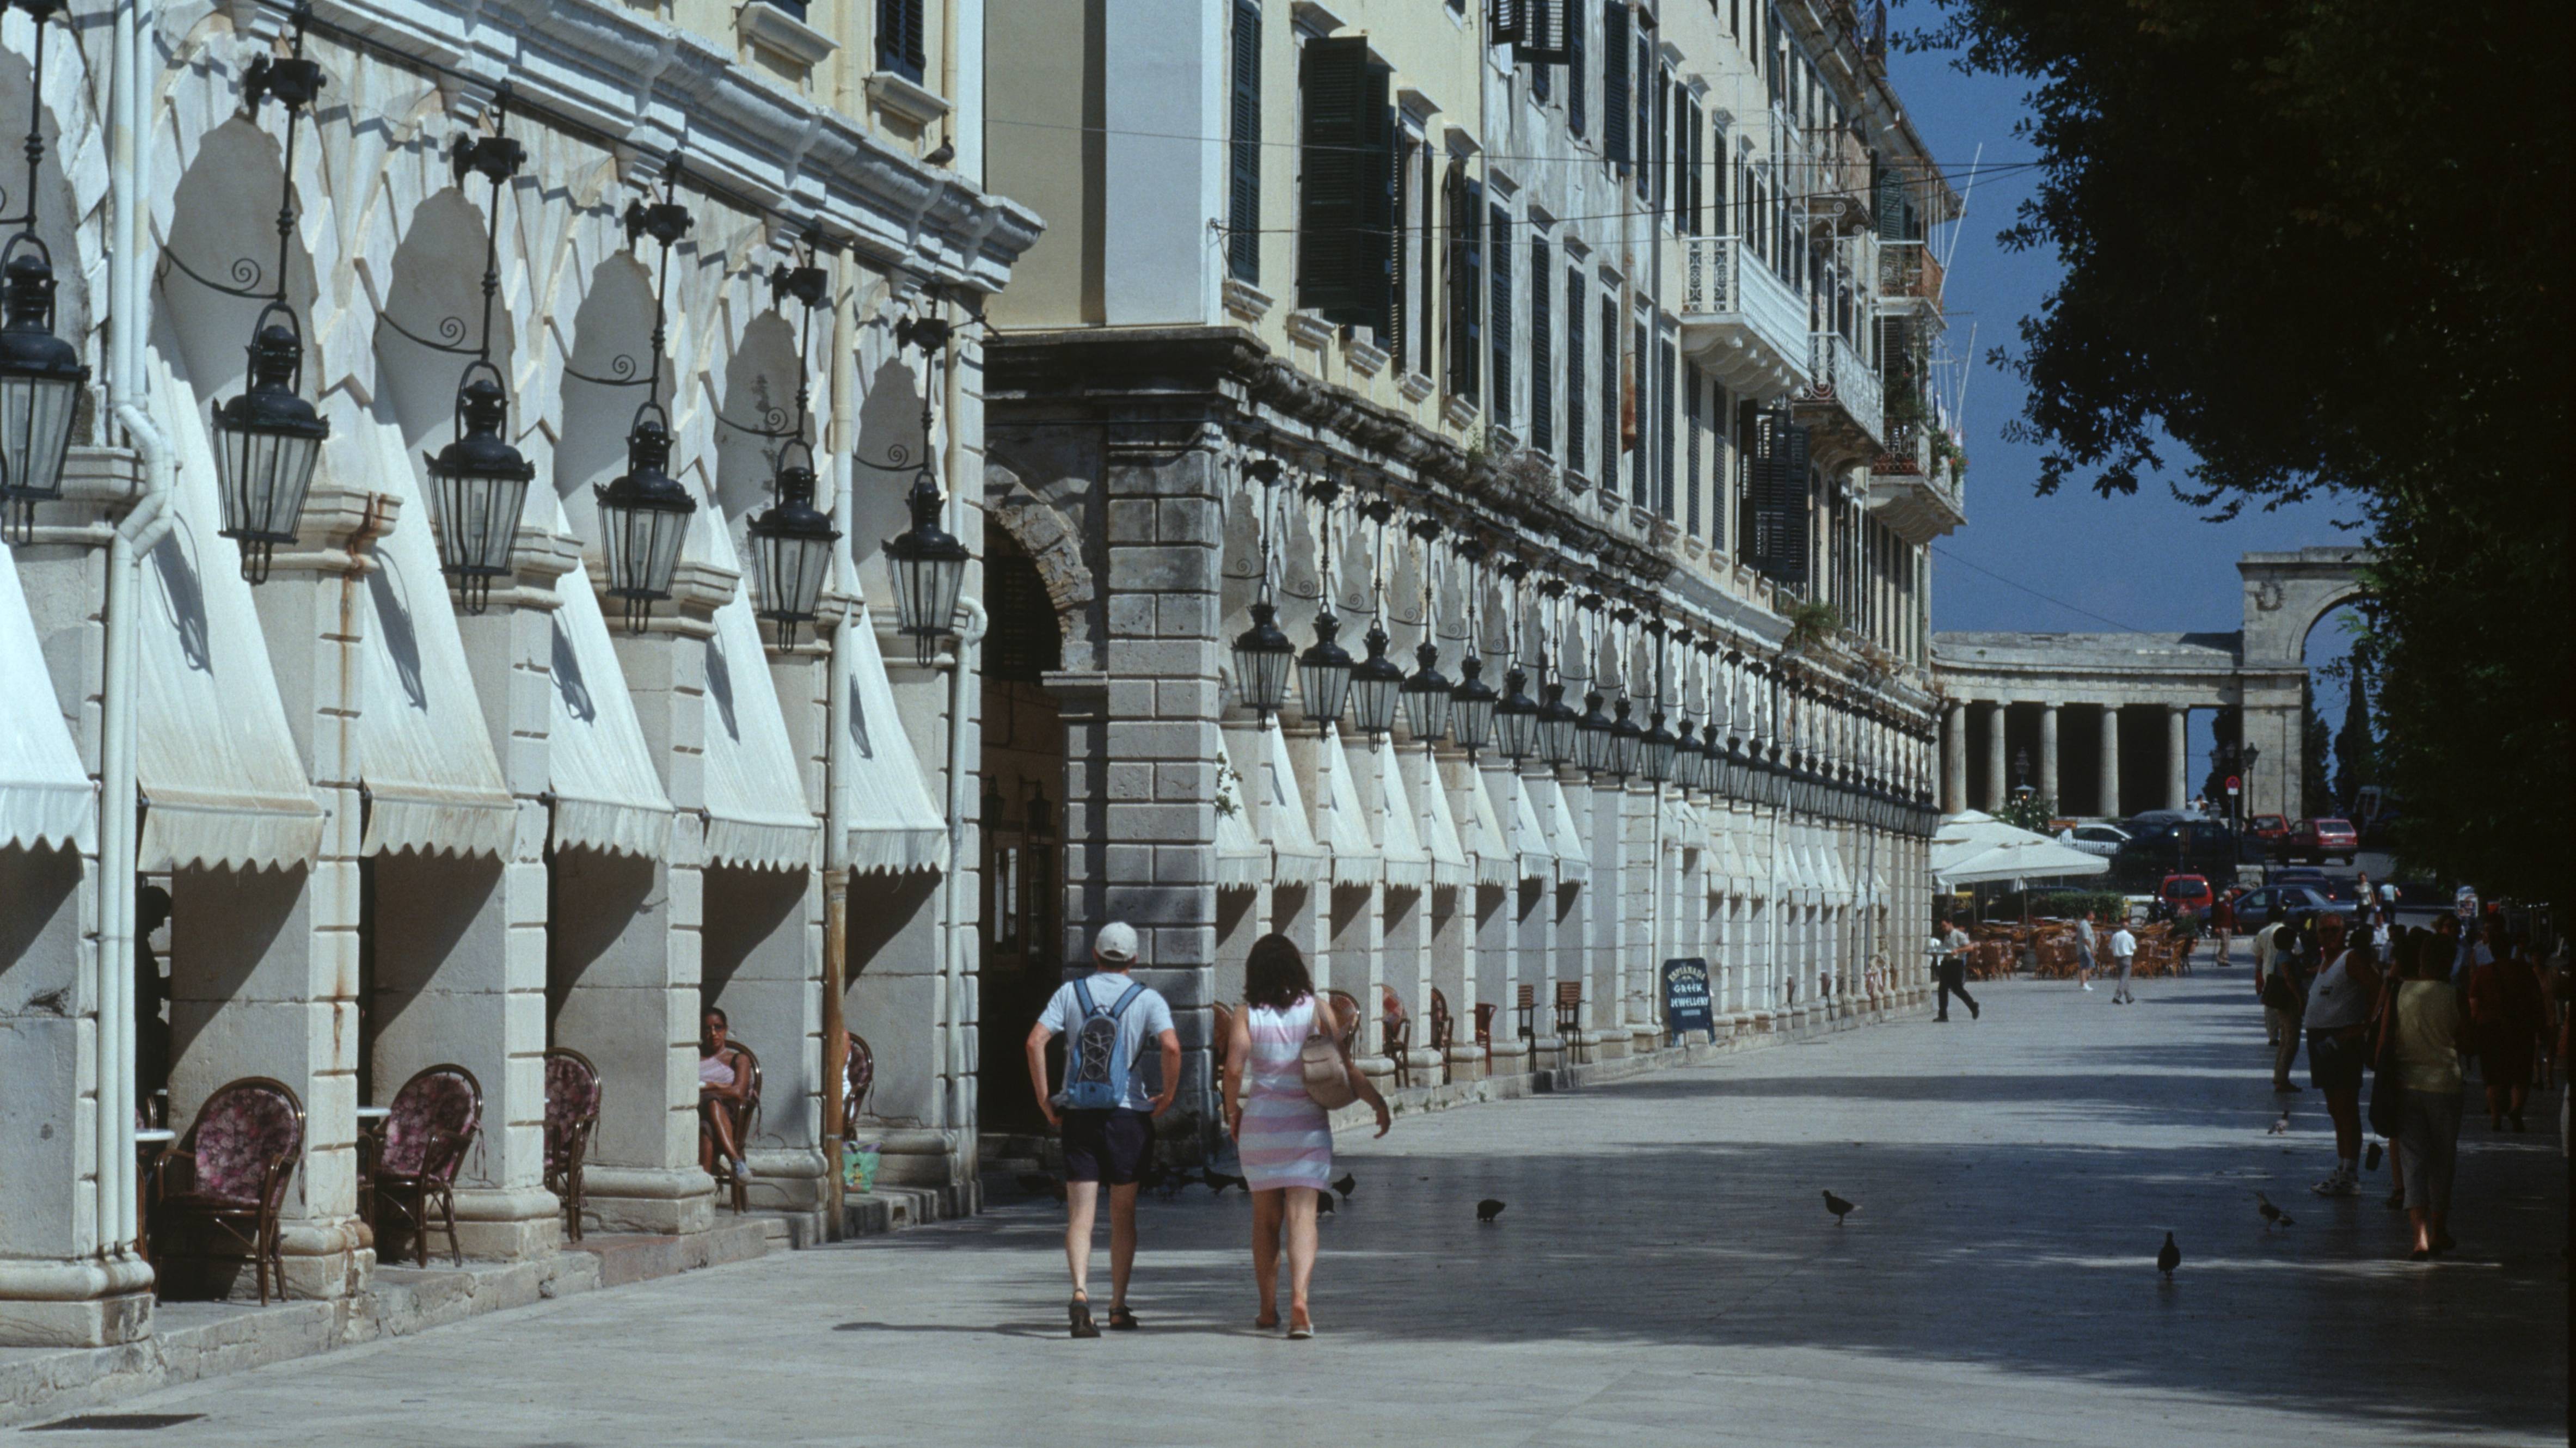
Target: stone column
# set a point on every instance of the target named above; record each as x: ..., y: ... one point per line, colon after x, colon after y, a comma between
x: 1996, y: 781
x: 2048, y: 755
x: 1954, y: 761
x: 2111, y: 760
x: 2177, y: 756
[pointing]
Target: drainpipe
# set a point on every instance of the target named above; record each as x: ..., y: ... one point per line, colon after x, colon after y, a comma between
x: 836, y: 797
x: 964, y: 664
x: 129, y: 188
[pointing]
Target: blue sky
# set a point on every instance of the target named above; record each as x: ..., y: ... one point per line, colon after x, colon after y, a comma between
x: 2144, y: 562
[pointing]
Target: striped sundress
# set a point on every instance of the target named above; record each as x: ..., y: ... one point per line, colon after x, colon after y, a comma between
x: 1286, y: 1140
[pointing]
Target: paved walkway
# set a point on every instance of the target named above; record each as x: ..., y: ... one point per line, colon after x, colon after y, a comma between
x: 1665, y: 1274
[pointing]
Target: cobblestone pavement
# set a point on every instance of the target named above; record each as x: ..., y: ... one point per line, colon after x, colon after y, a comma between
x: 1666, y: 1274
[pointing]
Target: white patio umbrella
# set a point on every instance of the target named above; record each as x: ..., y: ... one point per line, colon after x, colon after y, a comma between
x: 1974, y: 847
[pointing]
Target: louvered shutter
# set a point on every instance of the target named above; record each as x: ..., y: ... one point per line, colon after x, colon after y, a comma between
x: 1540, y: 39
x: 1345, y: 223
x: 1891, y: 205
x: 1610, y: 415
x: 1243, y: 240
x: 1392, y: 336
x: 1640, y: 420
x: 1542, y: 349
x: 1780, y: 501
x: 1466, y: 275
x: 1696, y: 186
x: 1575, y: 98
x: 1498, y: 321
x: 1574, y: 360
x: 1649, y: 140
x: 899, y: 44
x: 1664, y: 430
x: 1690, y: 439
x: 1614, y: 82
x: 1505, y: 19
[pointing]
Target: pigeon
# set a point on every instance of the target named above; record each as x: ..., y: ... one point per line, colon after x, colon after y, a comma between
x: 1488, y: 1209
x: 2169, y: 1258
x: 1218, y: 1181
x: 2272, y: 1215
x: 946, y: 153
x: 1323, y: 1204
x: 1347, y: 1185
x: 1839, y: 1207
x: 2280, y: 1124
x: 1038, y: 1184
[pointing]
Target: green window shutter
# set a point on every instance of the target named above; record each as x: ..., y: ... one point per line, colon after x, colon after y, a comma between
x: 899, y: 44
x: 1614, y: 81
x: 1575, y: 99
x: 1610, y: 419
x: 1574, y: 360
x: 1243, y: 239
x: 1542, y: 349
x: 1498, y: 322
x: 1464, y: 210
x: 1345, y: 219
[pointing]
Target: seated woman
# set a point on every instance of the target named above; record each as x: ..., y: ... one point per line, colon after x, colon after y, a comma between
x: 724, y: 1085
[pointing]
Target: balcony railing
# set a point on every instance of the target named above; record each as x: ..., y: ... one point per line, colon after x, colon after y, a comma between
x: 1908, y: 273
x: 1841, y: 378
x: 1739, y: 319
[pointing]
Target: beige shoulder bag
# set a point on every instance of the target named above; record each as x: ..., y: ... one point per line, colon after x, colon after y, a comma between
x: 1328, y: 1075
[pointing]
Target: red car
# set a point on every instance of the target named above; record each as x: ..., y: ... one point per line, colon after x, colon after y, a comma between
x: 2185, y: 894
x: 2270, y: 829
x: 2316, y: 840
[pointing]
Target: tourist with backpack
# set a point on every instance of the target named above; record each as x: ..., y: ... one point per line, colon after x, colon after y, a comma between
x: 1105, y: 1109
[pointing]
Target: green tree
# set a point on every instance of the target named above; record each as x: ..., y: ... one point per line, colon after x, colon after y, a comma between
x: 2283, y: 255
x: 2355, y: 751
x: 2226, y: 728
x: 2315, y: 796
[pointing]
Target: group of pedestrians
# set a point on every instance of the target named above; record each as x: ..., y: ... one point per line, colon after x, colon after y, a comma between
x: 2402, y: 1010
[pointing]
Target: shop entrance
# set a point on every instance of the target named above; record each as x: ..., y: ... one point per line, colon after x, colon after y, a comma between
x: 1022, y: 820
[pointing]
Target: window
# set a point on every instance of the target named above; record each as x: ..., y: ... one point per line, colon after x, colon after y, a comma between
x: 1694, y: 189
x: 1425, y: 304
x: 899, y: 29
x: 1399, y: 320
x: 1574, y: 63
x: 1243, y: 239
x: 1542, y: 349
x: 1345, y: 222
x: 1776, y: 457
x: 1641, y: 377
x: 1498, y: 322
x: 1462, y: 206
x: 1690, y: 424
x: 1649, y: 90
x: 1664, y: 419
x: 1574, y: 359
x: 1614, y: 82
x: 1612, y: 420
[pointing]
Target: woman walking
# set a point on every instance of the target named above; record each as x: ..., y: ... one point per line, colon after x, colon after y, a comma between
x: 1284, y: 1138
x: 2337, y: 1019
x: 2507, y: 1012
x: 2425, y: 1015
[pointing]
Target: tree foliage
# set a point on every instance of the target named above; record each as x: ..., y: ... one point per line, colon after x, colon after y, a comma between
x: 2356, y: 752
x: 2320, y: 245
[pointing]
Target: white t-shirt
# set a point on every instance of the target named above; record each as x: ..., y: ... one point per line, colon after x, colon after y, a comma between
x: 1146, y: 1018
x: 2335, y: 1000
x: 2123, y: 944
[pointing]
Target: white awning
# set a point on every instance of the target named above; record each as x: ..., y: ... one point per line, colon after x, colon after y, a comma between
x: 1573, y: 859
x: 45, y: 796
x: 608, y: 795
x: 1399, y: 830
x: 757, y: 817
x: 1439, y: 828
x: 223, y: 785
x: 1482, y: 834
x: 1241, y: 860
x: 894, y: 828
x: 1355, y: 859
x: 424, y: 751
x: 1529, y: 831
x: 1297, y: 858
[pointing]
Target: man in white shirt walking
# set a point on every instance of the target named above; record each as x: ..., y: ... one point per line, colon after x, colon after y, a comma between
x: 2085, y: 943
x: 2124, y: 953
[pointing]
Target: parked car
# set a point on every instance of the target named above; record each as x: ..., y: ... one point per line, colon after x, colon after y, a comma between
x: 2185, y: 894
x: 2103, y: 840
x: 2254, y: 907
x: 2196, y: 847
x: 2271, y: 829
x: 2319, y: 839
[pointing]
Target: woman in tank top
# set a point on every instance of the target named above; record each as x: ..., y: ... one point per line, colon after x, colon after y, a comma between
x: 1285, y: 1139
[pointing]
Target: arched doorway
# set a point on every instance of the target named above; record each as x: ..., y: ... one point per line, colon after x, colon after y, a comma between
x: 1022, y: 818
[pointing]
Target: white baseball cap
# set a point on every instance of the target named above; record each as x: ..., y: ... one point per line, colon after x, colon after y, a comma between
x: 1116, y: 943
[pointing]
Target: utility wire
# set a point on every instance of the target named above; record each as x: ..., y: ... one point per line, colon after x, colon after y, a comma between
x: 2035, y: 593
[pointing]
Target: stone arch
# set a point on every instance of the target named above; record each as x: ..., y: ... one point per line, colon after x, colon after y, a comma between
x: 2286, y: 594
x: 1051, y: 539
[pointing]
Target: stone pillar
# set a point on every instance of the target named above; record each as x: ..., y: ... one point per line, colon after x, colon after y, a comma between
x: 2177, y: 756
x: 2111, y: 760
x: 1954, y: 760
x: 1996, y: 781
x: 2048, y: 756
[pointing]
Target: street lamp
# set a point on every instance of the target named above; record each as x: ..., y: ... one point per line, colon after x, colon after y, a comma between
x: 1627, y: 741
x: 1264, y: 653
x: 478, y: 483
x: 1428, y: 694
x: 1375, y: 685
x: 644, y: 512
x: 41, y: 375
x: 1559, y: 729
x: 1516, y: 717
x: 791, y: 543
x: 1592, y: 753
x: 1324, y: 672
x: 928, y: 562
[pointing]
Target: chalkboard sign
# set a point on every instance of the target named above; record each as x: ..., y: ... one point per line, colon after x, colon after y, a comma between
x: 1687, y: 1006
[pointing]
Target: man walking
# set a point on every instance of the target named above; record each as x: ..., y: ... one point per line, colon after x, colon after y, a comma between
x: 1953, y: 971
x: 2124, y: 953
x: 2280, y: 997
x: 2085, y: 940
x: 1104, y: 1110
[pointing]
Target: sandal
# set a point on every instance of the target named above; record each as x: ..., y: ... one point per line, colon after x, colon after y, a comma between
x: 1298, y: 1332
x: 1120, y: 1319
x: 1078, y: 1313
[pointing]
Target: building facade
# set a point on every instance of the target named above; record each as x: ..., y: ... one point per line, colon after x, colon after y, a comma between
x: 1583, y: 348
x: 405, y: 813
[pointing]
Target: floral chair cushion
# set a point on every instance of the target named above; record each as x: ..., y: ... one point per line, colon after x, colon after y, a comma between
x: 572, y: 1096
x: 238, y: 1132
x: 441, y: 1103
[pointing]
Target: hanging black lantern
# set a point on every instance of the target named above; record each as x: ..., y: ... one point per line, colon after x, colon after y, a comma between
x: 41, y: 375
x: 1426, y: 695
x: 1324, y: 673
x: 1685, y: 771
x: 1471, y: 707
x: 267, y: 441
x: 1376, y: 686
x: 1559, y: 729
x: 1627, y: 741
x: 1592, y: 753
x: 1656, y: 750
x: 1262, y: 656
x: 1516, y: 718
x: 643, y: 517
x: 929, y: 569
x: 791, y: 545
x: 477, y: 486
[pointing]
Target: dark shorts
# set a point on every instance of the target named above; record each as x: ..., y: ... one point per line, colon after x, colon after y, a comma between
x: 1106, y: 1146
x: 2335, y: 1065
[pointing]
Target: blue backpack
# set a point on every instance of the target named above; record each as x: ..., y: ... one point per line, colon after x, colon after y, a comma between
x: 1096, y: 1066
